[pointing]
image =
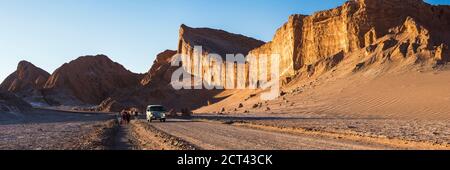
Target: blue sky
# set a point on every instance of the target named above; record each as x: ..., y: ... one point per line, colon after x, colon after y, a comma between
x: 49, y: 33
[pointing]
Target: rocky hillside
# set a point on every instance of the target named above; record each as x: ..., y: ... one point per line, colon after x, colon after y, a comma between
x: 212, y: 42
x: 88, y: 79
x: 352, y: 47
x: 161, y: 70
x: 26, y: 80
x: 156, y: 88
x: 374, y: 37
x: 384, y: 30
x: 11, y: 103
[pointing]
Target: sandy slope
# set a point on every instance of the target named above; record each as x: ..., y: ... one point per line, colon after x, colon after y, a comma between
x: 411, y: 105
x: 401, y: 95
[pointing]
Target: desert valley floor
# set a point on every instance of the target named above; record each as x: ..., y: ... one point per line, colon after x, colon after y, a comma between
x: 400, y: 111
x: 47, y: 129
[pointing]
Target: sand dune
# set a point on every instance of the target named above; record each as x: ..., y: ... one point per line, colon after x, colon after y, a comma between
x: 401, y: 95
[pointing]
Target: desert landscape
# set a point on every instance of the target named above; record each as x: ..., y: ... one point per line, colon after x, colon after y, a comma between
x: 367, y: 75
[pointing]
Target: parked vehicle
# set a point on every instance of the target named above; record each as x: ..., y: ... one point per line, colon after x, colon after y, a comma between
x: 156, y: 112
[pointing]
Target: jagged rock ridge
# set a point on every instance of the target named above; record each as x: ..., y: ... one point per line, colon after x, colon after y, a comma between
x: 161, y: 71
x: 27, y: 82
x: 26, y: 79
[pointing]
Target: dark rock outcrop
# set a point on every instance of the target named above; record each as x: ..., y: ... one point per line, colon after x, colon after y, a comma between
x: 89, y: 80
x: 26, y: 80
x: 11, y: 103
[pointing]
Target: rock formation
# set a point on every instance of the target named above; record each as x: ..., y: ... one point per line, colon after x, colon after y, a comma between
x: 156, y: 88
x: 161, y: 70
x: 214, y: 41
x: 403, y: 26
x: 27, y: 79
x: 357, y: 36
x: 361, y: 37
x: 11, y: 103
x: 286, y: 43
x: 211, y: 41
x: 27, y: 82
x: 88, y: 79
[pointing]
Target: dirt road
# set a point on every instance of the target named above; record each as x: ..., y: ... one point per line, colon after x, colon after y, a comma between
x: 45, y: 129
x: 123, y: 139
x: 212, y: 135
x: 53, y: 130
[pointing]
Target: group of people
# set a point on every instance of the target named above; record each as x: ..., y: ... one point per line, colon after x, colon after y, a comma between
x: 124, y: 118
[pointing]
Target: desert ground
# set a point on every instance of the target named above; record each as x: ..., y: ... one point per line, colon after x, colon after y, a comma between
x: 400, y: 110
x: 60, y: 130
x: 53, y: 130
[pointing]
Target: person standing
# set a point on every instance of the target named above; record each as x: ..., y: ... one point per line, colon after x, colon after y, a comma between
x: 119, y: 118
x: 128, y: 117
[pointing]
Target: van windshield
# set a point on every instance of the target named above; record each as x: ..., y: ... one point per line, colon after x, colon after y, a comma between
x: 157, y: 109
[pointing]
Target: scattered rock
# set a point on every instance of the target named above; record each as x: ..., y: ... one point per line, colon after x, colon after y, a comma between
x: 352, y: 127
x: 257, y: 105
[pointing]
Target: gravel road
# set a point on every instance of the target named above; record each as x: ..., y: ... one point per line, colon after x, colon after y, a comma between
x: 52, y: 130
x: 57, y: 130
x: 212, y: 135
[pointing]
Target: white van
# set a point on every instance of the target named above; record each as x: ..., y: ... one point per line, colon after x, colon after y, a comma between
x: 156, y: 112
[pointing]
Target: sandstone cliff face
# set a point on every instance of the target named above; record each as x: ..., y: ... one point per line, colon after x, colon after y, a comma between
x: 161, y: 70
x: 306, y: 41
x: 26, y: 80
x: 285, y: 43
x: 360, y: 23
x: 212, y: 42
x: 89, y: 79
